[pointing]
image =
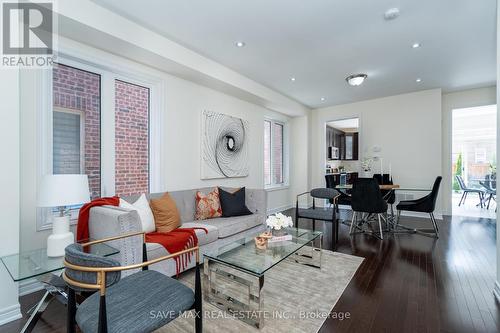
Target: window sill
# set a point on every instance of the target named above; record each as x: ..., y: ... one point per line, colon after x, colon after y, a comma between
x: 271, y: 188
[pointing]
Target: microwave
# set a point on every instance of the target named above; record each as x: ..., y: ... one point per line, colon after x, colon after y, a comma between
x: 333, y: 153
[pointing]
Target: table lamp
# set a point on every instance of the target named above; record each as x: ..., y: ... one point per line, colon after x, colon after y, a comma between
x: 62, y: 191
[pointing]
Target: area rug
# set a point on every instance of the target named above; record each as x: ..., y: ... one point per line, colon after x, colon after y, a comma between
x: 296, y: 298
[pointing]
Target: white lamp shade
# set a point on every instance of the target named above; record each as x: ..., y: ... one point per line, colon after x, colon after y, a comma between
x: 63, y: 190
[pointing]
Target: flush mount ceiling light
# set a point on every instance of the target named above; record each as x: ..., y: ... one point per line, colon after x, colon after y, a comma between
x: 416, y: 45
x: 391, y: 14
x: 240, y: 44
x: 356, y: 79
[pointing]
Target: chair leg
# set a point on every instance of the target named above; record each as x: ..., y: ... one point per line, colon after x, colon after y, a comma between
x: 336, y: 230
x: 380, y: 227
x: 71, y: 311
x: 461, y: 199
x: 397, y: 218
x: 489, y: 201
x: 296, y: 218
x: 352, y: 221
x: 314, y: 225
x: 480, y: 199
x: 465, y: 198
x: 103, y: 321
x: 434, y: 223
x: 198, y: 321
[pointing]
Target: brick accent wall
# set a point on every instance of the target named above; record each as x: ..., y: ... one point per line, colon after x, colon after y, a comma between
x: 131, y: 138
x: 81, y: 90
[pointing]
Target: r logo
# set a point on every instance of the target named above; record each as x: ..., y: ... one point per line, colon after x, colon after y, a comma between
x: 27, y: 28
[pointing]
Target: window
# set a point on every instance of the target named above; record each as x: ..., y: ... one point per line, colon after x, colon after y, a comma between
x: 103, y: 120
x: 76, y: 119
x: 131, y: 138
x: 480, y: 155
x: 274, y: 153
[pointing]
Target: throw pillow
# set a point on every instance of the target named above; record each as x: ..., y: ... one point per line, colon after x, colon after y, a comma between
x: 141, y: 205
x: 207, y: 206
x: 167, y: 217
x: 233, y: 204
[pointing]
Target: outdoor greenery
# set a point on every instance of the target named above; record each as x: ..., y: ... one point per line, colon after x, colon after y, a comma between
x: 458, y: 172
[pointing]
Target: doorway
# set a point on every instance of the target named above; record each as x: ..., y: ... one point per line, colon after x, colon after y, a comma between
x: 474, y: 161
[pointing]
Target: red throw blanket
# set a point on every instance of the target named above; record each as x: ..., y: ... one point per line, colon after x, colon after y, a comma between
x: 173, y: 241
x: 82, y: 228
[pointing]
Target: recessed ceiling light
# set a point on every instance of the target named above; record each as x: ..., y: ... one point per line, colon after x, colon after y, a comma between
x: 356, y: 79
x: 416, y: 45
x: 418, y: 80
x: 292, y: 79
x: 323, y: 99
x: 240, y: 44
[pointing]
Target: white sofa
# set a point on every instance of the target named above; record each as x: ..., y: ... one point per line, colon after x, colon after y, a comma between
x: 108, y: 221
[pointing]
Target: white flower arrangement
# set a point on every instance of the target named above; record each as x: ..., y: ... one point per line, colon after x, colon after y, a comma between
x: 279, y: 221
x: 366, y: 165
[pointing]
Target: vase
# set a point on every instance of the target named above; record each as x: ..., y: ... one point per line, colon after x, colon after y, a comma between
x: 278, y: 233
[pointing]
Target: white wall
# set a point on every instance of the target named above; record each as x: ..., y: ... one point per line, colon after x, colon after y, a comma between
x: 407, y: 127
x: 457, y: 100
x: 497, y: 284
x: 184, y: 102
x: 9, y: 196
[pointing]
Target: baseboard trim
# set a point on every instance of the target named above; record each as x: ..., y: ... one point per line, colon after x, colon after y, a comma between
x: 279, y: 209
x: 496, y: 291
x: 29, y: 286
x: 10, y: 313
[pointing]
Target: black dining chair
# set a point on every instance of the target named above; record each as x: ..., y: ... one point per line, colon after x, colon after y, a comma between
x: 388, y: 195
x: 343, y: 199
x: 490, y: 192
x: 425, y: 204
x: 466, y: 190
x: 367, y: 199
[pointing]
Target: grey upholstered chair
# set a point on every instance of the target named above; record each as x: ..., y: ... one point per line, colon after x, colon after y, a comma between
x: 130, y: 304
x: 314, y: 213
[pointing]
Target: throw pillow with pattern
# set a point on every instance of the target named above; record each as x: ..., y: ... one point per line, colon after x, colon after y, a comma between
x: 207, y: 206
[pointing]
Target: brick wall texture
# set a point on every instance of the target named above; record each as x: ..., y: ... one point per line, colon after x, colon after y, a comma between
x: 131, y: 138
x: 80, y: 90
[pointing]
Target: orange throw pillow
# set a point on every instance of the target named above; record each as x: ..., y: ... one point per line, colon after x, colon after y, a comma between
x: 207, y: 206
x: 167, y: 217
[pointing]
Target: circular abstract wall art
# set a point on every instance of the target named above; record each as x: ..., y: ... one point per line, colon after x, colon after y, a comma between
x: 224, y: 146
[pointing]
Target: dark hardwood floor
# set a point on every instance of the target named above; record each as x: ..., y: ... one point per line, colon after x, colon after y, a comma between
x: 407, y: 283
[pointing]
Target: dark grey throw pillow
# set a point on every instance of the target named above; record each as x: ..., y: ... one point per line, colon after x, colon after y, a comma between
x: 233, y: 204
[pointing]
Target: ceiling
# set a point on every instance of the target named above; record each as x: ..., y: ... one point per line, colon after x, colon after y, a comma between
x: 320, y: 42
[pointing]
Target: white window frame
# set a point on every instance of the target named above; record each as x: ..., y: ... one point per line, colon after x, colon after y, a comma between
x: 285, y: 152
x: 480, y: 152
x: 110, y: 68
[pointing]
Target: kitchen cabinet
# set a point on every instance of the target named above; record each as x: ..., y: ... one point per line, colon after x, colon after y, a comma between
x: 347, y: 144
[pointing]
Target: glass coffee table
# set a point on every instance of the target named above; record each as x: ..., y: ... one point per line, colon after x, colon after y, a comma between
x: 36, y: 264
x: 234, y: 273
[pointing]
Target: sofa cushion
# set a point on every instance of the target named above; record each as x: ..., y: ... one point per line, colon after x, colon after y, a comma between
x: 167, y: 217
x: 228, y: 226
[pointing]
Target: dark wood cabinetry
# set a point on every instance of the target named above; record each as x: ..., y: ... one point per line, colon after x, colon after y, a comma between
x: 346, y: 143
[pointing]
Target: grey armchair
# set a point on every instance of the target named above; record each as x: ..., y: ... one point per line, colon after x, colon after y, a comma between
x: 131, y: 304
x: 314, y: 213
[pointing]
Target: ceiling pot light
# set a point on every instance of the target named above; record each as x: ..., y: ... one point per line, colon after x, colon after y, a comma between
x: 418, y: 80
x: 323, y: 99
x: 292, y: 79
x: 356, y: 79
x: 416, y: 45
x: 240, y: 44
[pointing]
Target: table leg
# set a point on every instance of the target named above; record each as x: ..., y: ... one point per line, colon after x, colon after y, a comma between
x: 37, y: 312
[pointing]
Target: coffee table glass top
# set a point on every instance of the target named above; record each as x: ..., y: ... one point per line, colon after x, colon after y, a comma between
x: 25, y: 265
x: 244, y: 255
